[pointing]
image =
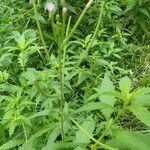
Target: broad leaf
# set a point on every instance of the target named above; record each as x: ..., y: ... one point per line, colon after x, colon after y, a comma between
x: 127, y: 140
x: 141, y: 113
x: 29, y: 144
x: 125, y: 85
x: 143, y: 100
x: 107, y: 86
x: 88, y: 126
x: 93, y: 106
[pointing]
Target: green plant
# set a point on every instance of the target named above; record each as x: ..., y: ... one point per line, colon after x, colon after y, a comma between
x: 74, y: 75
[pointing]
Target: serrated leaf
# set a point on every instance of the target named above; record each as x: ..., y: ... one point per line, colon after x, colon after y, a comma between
x: 141, y: 91
x: 11, y: 144
x: 93, y: 106
x: 30, y: 75
x: 125, y: 85
x: 29, y: 143
x: 145, y: 12
x: 143, y: 100
x: 107, y: 86
x: 22, y: 59
x: 42, y: 113
x: 4, y: 76
x: 64, y: 146
x: 141, y: 113
x: 53, y: 136
x: 88, y: 126
x: 128, y: 140
x: 21, y: 42
x: 12, y: 126
x: 115, y: 8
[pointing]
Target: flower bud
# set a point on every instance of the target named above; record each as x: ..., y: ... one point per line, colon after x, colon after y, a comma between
x: 50, y: 7
x: 64, y: 10
x: 89, y: 3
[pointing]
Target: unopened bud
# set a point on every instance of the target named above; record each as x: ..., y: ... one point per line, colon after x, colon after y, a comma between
x: 64, y: 10
x: 89, y: 3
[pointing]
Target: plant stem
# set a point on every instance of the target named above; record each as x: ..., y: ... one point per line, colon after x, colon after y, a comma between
x: 110, y: 124
x: 75, y: 26
x: 89, y: 136
x: 61, y: 55
x: 25, y: 133
x: 62, y: 99
x: 94, y: 35
x: 61, y: 43
x: 68, y: 25
x: 39, y: 28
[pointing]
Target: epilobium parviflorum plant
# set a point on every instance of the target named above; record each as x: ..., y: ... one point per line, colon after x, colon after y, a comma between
x: 74, y: 75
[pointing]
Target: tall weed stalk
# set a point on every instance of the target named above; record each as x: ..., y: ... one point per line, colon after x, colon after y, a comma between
x: 62, y: 36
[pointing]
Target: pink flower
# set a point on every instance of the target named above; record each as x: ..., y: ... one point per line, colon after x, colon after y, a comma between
x: 50, y: 7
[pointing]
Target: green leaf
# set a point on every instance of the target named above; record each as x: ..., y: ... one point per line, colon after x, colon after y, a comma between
x: 42, y: 113
x: 143, y: 100
x: 11, y: 144
x: 21, y: 42
x: 30, y: 76
x: 115, y: 9
x: 127, y: 140
x: 3, y: 76
x: 125, y: 85
x: 22, y: 59
x: 88, y: 126
x: 145, y: 12
x: 141, y: 113
x: 29, y: 143
x: 53, y: 136
x: 12, y: 126
x: 93, y: 106
x: 65, y: 146
x: 107, y: 86
x: 141, y: 92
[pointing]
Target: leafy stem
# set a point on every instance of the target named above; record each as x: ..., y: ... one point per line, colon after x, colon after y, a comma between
x: 62, y: 55
x: 88, y: 135
x: 62, y: 99
x: 75, y: 26
x: 110, y: 124
x: 39, y: 28
x: 94, y: 35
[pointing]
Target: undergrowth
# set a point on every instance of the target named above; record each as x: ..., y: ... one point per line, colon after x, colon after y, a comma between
x: 74, y: 75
